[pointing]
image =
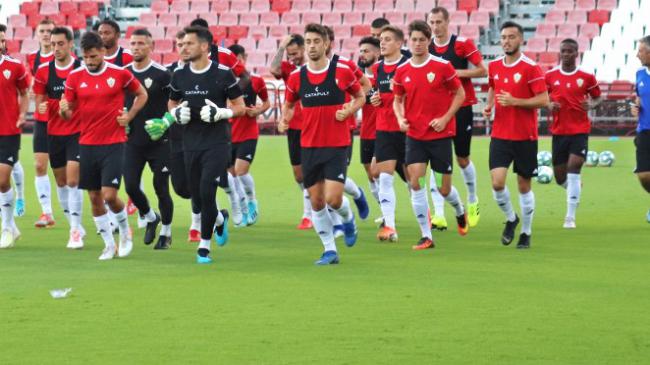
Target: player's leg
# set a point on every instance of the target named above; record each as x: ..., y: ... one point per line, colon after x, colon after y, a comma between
x: 387, y: 156
x: 134, y: 163
x: 58, y: 162
x: 295, y: 157
x: 439, y: 153
x: 335, y: 171
x: 230, y: 189
x: 158, y: 162
x: 577, y: 154
x: 111, y: 170
x: 525, y: 166
x: 18, y: 176
x: 75, y: 197
x: 42, y: 180
x: 178, y: 174
x: 462, y: 147
x: 642, y: 170
x: 501, y: 156
x: 245, y: 157
x: 419, y: 201
x: 367, y: 156
x: 9, y: 147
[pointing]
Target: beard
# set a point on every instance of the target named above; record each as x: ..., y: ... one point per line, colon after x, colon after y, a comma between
x: 513, y: 51
x: 366, y: 64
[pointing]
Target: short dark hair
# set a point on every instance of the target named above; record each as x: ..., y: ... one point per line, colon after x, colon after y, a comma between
x: 46, y: 21
x: 110, y: 22
x: 420, y: 26
x: 237, y: 49
x: 330, y: 33
x: 199, y: 22
x: 3, y: 28
x: 318, y: 29
x: 91, y: 40
x: 511, y: 24
x: 297, y: 39
x: 395, y: 30
x: 65, y: 31
x: 180, y: 34
x: 570, y: 41
x: 442, y: 10
x: 202, y: 33
x: 645, y: 40
x: 369, y: 40
x: 379, y: 23
x: 142, y: 32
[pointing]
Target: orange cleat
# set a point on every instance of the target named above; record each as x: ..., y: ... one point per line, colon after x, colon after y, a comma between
x: 463, y: 226
x: 44, y: 221
x: 194, y: 236
x: 424, y: 243
x: 387, y: 234
x: 130, y: 207
x: 305, y: 223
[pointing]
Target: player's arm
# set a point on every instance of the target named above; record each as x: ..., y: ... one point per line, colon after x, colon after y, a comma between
x: 259, y: 109
x: 276, y: 63
x: 139, y: 101
x: 23, y: 100
x: 398, y: 108
x: 41, y: 103
x: 489, y: 104
x: 358, y: 99
x: 439, y: 124
x: 474, y: 56
x: 540, y: 100
x: 287, y: 115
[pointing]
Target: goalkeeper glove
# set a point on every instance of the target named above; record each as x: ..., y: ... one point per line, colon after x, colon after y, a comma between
x: 211, y: 113
x: 156, y: 127
x: 182, y: 113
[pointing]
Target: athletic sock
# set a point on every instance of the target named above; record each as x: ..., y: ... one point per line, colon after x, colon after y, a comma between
x: 306, y: 202
x: 351, y: 188
x: 249, y: 185
x: 421, y: 210
x: 204, y: 248
x: 64, y: 200
x: 111, y: 216
x: 503, y: 200
x: 454, y: 200
x: 437, y: 198
x: 323, y: 226
x: 75, y: 204
x: 166, y: 230
x: 374, y: 190
x: 7, y: 209
x: 103, y: 225
x: 387, y: 199
x: 150, y: 216
x: 196, y: 221
x: 232, y: 195
x: 18, y: 175
x: 122, y: 222
x: 573, y: 194
x: 241, y: 194
x: 527, y: 205
x: 335, y: 217
x: 344, y: 210
x: 219, y: 219
x: 44, y: 192
x: 469, y: 176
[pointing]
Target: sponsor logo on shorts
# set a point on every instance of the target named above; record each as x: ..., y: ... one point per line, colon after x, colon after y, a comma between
x: 341, y: 176
x: 249, y: 156
x: 11, y: 159
x: 165, y: 169
x: 115, y: 181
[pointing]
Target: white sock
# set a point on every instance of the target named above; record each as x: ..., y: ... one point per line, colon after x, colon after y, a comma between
x: 44, y: 193
x: 335, y: 217
x: 306, y: 203
x: 232, y: 195
x: 437, y: 198
x: 527, y: 205
x: 18, y: 175
x: 421, y: 210
x: 205, y: 244
x: 387, y: 199
x: 503, y: 201
x: 150, y: 216
x: 323, y: 226
x: 7, y: 209
x: 469, y: 175
x: 103, y: 225
x: 166, y: 230
x: 220, y: 218
x: 351, y: 188
x: 111, y: 216
x: 196, y: 221
x: 249, y: 185
x: 122, y: 222
x: 454, y: 200
x: 344, y: 210
x: 75, y: 204
x: 64, y: 200
x: 374, y: 190
x: 241, y: 194
x: 573, y: 194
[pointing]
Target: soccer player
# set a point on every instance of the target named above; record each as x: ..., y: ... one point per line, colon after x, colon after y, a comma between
x: 390, y: 139
x: 109, y: 31
x: 14, y: 99
x: 321, y: 86
x: 42, y: 181
x: 199, y: 93
x: 375, y: 31
x: 96, y: 91
x: 516, y: 90
x: 294, y: 45
x: 573, y: 93
x: 62, y: 135
x: 245, y: 133
x: 641, y: 110
x: 220, y: 55
x: 460, y: 51
x: 140, y: 150
x: 430, y: 127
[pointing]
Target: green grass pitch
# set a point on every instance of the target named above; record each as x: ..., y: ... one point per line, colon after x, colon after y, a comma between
x: 577, y: 297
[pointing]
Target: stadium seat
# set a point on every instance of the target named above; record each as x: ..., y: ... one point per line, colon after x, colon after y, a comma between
x: 77, y: 21
x: 250, y: 19
x: 156, y: 57
x: 554, y: 44
x: 281, y: 6
x: 470, y: 31
x: 157, y: 32
x: 257, y: 32
x: 548, y: 58
x: 310, y: 18
x: 609, y: 4
x: 321, y: 6
x: 468, y: 5
x: 332, y: 19
x: 480, y: 18
x: 567, y: 31
x: 458, y: 17
x: 68, y: 7
x: 345, y: 6
x: 164, y: 45
x: 159, y: 6
x: 532, y: 55
x: 589, y: 30
x: 148, y: 19
x: 599, y: 17
x: 247, y: 43
x: 450, y: 5
x: 23, y: 33
x: 545, y: 30
x: 89, y: 8
x: 179, y: 6
x: 170, y: 32
x: 370, y: 16
x: 278, y: 31
x: 267, y: 45
x: 361, y: 30
x: 352, y: 18
x: 17, y: 20
x: 296, y: 29
x: 564, y: 4
x: 555, y: 17
x: 404, y: 6
x: 219, y: 6
x: 34, y: 19
x: 583, y: 43
x: 218, y: 32
x: 187, y: 18
x: 491, y: 6
x: 13, y: 46
x: 239, y: 6
x: 200, y: 6
x: 28, y: 46
x: 260, y: 6
x: 29, y: 8
x: 49, y: 8
x: 301, y: 6
x: 585, y: 5
x: 237, y: 32
x: 228, y: 19
x: 58, y: 18
x: 577, y: 17
x: 536, y: 45
x: 269, y: 19
x: 350, y: 44
x: 415, y: 15
x: 395, y: 17
x: 290, y: 18
x: 383, y: 5
x: 211, y: 18
x: 168, y: 19
x: 255, y: 59
x: 342, y: 31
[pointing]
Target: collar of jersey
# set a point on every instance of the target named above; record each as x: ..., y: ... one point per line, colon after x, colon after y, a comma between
x: 386, y: 63
x: 319, y: 71
x: 200, y: 71
x: 559, y: 67
x: 420, y: 65
x: 98, y: 72
x: 66, y: 66
x: 113, y: 55
x: 441, y: 45
x: 46, y: 54
x: 136, y: 70
x: 521, y: 57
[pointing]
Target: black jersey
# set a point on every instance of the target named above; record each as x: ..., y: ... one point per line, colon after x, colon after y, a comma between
x: 175, y: 131
x: 155, y: 78
x: 216, y: 83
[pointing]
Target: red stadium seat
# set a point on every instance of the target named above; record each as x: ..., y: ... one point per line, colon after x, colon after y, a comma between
x: 383, y: 5
x: 13, y: 46
x: 554, y: 44
x: 583, y: 43
x: 22, y: 33
x: 589, y: 30
x: 361, y: 30
x: 228, y: 19
x: 290, y: 18
x: 49, y: 8
x: 491, y: 6
x: 555, y: 17
x: 362, y: 6
x: 332, y: 19
x: 278, y: 31
x: 34, y: 19
x: 260, y: 6
x: 548, y: 58
x: 344, y: 6
x: 179, y: 6
x: 211, y: 18
x: 258, y: 32
x: 169, y: 58
x: 607, y: 5
x: 415, y: 15
x: 370, y: 16
x: 450, y: 5
x: 29, y: 8
x: 164, y: 46
x: 269, y: 19
x: 577, y: 17
x: 545, y: 30
x: 532, y: 55
x: 168, y: 19
x: 249, y: 19
x: 281, y: 6
x: 89, y: 8
x: 17, y: 20
x: 170, y: 32
x: 157, y: 32
x: 321, y: 6
x: 267, y: 45
x: 200, y: 7
x: 567, y: 31
x: 350, y: 44
x: 239, y: 6
x: 536, y: 45
x: 395, y: 17
x: 599, y: 17
x: 156, y: 57
x: 159, y: 6
x: 247, y: 43
x: 352, y: 18
x: 237, y: 32
x: 148, y: 19
x: 480, y: 18
x: 68, y: 7
x: 310, y: 18
x: 458, y: 17
x: 301, y: 6
x: 187, y: 18
x: 255, y: 59
x: 296, y: 29
x: 585, y: 4
x: 470, y: 31
x: 342, y: 31
x: 219, y: 32
x: 468, y: 5
x: 219, y: 6
x: 77, y: 21
x: 28, y: 46
x: 564, y: 4
x: 404, y: 6
x: 424, y: 6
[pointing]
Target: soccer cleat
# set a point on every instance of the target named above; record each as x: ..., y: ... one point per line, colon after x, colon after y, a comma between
x: 243, y: 223
x: 423, y: 244
x: 126, y: 246
x: 569, y: 222
x: 362, y: 205
x: 164, y: 242
x: 463, y: 225
x: 142, y: 223
x: 237, y: 216
x: 338, y: 231
x: 203, y: 259
x: 44, y: 221
x: 524, y: 241
x: 253, y: 212
x: 130, y: 207
x: 76, y: 240
x: 108, y: 253
x: 439, y: 222
x: 150, y: 232
x: 328, y: 258
x: 221, y: 232
x: 305, y: 224
x: 473, y: 214
x: 509, y: 231
x: 350, y: 231
x: 7, y: 239
x: 19, y: 208
x: 194, y: 235
x: 387, y: 234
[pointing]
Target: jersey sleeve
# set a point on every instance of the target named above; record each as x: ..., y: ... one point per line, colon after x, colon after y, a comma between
x: 70, y: 92
x: 536, y: 81
x: 230, y: 60
x: 260, y: 88
x: 452, y: 82
x: 398, y: 86
x: 174, y: 90
x: 471, y: 52
x: 373, y: 80
x: 350, y: 82
x: 292, y: 88
x: 490, y: 77
x: 594, y: 87
x: 40, y: 81
x: 24, y: 80
x: 130, y: 82
x: 233, y: 91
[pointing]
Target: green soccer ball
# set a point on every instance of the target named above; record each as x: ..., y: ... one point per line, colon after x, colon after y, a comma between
x: 606, y: 158
x: 544, y: 174
x: 544, y: 158
x: 592, y: 159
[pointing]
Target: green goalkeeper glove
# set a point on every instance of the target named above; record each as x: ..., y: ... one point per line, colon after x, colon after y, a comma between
x: 158, y: 126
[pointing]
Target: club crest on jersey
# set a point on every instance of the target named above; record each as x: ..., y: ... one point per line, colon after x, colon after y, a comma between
x: 580, y: 82
x: 148, y: 82
x: 517, y: 77
x: 7, y: 74
x: 431, y: 76
x: 110, y: 82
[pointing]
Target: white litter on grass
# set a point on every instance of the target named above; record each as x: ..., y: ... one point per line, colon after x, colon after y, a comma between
x: 60, y: 293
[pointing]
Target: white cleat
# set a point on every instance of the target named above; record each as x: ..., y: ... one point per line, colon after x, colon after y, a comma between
x: 7, y: 239
x: 569, y: 223
x: 142, y: 223
x: 108, y: 253
x: 76, y: 240
x: 237, y: 217
x: 126, y: 246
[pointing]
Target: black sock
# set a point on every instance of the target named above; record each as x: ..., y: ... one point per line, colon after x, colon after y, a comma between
x: 204, y: 252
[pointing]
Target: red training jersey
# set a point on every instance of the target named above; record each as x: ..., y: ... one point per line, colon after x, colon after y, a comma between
x: 464, y: 48
x: 245, y: 128
x: 227, y: 58
x: 570, y: 89
x: 383, y: 73
x: 56, y: 125
x: 127, y: 57
x: 13, y: 78
x: 35, y: 60
x: 428, y: 90
x: 352, y: 120
x: 286, y: 68
x: 99, y: 98
x: 522, y: 79
x: 368, y: 117
x: 322, y: 93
